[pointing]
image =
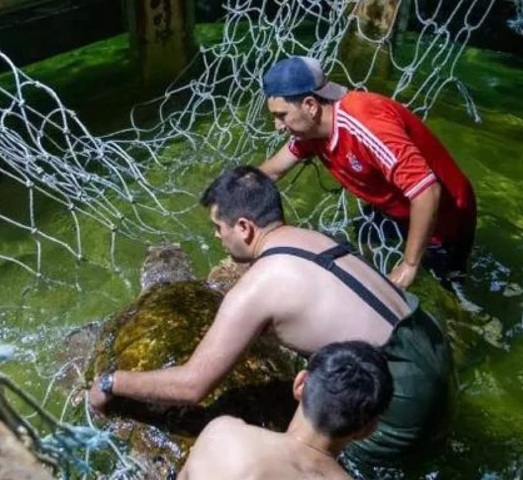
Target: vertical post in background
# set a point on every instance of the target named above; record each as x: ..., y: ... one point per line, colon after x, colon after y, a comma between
x: 364, y: 47
x: 376, y: 16
x: 402, y: 21
x: 162, y: 37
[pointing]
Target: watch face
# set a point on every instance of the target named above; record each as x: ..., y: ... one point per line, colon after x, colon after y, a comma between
x: 105, y: 383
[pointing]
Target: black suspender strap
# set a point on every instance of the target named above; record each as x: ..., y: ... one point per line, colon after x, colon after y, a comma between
x: 326, y: 260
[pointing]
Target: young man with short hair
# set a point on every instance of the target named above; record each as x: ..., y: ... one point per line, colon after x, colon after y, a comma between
x: 346, y: 387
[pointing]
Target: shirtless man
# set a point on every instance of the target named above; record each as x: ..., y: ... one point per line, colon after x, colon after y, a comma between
x: 345, y: 388
x: 310, y: 292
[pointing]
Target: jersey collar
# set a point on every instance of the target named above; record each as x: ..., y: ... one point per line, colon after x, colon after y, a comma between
x: 333, y: 139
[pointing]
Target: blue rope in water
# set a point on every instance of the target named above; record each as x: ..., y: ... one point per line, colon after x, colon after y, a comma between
x: 67, y: 443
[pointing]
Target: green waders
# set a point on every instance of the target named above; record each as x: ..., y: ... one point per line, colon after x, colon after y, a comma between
x: 421, y: 364
x: 417, y: 419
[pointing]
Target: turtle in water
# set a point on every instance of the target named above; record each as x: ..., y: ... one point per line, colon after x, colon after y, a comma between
x: 162, y: 328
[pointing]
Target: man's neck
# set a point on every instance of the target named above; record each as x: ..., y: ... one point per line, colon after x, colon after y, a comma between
x: 301, y: 431
x: 263, y: 235
x: 326, y: 121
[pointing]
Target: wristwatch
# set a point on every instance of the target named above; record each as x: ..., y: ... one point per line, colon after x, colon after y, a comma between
x: 105, y: 383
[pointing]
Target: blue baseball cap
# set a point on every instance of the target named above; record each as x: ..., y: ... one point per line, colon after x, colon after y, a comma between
x: 300, y: 76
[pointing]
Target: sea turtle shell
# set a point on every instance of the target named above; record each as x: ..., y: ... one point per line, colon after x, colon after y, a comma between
x: 164, y: 326
x: 161, y: 329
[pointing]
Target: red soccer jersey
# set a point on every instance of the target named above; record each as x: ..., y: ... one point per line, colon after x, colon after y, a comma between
x: 384, y: 154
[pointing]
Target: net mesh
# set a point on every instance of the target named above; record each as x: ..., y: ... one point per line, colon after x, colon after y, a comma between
x: 70, y: 451
x: 78, y: 195
x: 120, y: 182
x: 516, y: 23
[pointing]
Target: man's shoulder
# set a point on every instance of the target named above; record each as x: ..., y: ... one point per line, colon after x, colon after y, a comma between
x: 355, y: 98
x: 232, y: 432
x: 362, y: 104
x: 255, y: 280
x: 268, y: 262
x: 221, y: 426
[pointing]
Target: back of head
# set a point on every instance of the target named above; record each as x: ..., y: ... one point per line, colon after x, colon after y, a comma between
x: 348, y: 386
x: 247, y: 192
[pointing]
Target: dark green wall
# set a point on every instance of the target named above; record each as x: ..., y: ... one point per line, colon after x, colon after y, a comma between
x: 47, y: 28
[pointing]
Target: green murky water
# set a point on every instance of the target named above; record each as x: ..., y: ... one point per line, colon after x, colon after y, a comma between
x: 487, y: 441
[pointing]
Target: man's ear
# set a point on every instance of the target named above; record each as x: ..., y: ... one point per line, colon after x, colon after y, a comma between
x: 299, y: 384
x: 311, y: 106
x: 245, y: 228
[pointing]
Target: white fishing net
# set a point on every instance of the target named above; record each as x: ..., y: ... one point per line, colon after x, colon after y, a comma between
x: 141, y: 182
x: 66, y: 193
x: 516, y: 23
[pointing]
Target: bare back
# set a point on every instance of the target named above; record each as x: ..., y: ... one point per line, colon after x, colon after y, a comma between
x: 308, y: 306
x: 303, y: 304
x: 229, y: 449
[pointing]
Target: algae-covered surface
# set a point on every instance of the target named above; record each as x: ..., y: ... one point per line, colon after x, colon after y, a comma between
x: 100, y: 83
x: 162, y: 328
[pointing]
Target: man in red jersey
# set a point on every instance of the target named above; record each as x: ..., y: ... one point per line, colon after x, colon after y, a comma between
x: 382, y: 153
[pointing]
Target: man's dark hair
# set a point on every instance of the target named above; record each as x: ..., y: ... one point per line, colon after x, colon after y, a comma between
x: 300, y: 98
x: 244, y: 191
x: 348, y: 386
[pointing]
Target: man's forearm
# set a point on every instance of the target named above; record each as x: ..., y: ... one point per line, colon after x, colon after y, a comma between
x: 423, y: 214
x: 268, y: 169
x: 169, y: 386
x: 279, y: 164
